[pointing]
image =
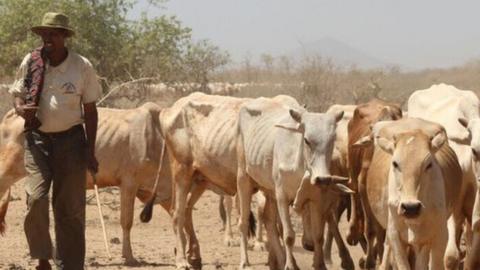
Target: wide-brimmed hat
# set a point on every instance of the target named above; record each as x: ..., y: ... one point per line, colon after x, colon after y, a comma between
x: 54, y: 20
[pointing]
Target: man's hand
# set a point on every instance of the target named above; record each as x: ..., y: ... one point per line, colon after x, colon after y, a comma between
x: 91, y: 121
x: 25, y: 111
x: 92, y: 163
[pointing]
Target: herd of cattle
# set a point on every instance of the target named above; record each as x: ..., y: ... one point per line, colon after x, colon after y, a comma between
x: 411, y: 185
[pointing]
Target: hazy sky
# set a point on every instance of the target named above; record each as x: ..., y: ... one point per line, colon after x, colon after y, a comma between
x: 412, y: 33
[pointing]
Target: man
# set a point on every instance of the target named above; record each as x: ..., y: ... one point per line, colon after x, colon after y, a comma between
x: 55, y: 92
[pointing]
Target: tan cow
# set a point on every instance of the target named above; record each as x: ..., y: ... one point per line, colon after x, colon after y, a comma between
x: 458, y: 111
x: 199, y: 131
x: 414, y: 181
x: 360, y: 225
x: 128, y: 149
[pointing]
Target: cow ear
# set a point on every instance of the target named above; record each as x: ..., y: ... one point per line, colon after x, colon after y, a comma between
x: 297, y: 116
x: 438, y: 140
x: 253, y: 112
x: 338, y: 116
x: 202, y: 108
x: 363, y: 142
x: 385, y: 144
x: 295, y: 125
x: 463, y: 122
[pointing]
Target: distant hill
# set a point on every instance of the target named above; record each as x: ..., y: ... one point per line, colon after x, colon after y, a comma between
x: 339, y: 52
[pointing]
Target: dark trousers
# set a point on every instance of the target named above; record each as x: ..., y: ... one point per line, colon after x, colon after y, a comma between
x: 57, y: 160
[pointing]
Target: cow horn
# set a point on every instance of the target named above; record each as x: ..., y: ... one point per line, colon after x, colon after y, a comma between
x: 331, y: 179
x: 339, y: 179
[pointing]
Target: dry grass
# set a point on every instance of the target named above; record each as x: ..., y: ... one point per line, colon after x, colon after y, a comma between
x: 313, y: 81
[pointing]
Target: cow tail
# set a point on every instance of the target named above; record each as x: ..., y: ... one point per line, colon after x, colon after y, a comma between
x: 3, y: 213
x: 147, y: 211
x: 252, y: 225
x: 223, y: 212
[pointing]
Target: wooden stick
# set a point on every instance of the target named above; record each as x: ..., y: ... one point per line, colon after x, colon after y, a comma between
x: 99, y: 206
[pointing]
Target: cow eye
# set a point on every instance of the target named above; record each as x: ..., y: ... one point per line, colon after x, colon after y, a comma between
x: 395, y: 165
x: 428, y: 166
x: 306, y: 141
x: 475, y: 153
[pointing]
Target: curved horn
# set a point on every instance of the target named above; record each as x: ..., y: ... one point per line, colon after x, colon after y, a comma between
x: 337, y: 179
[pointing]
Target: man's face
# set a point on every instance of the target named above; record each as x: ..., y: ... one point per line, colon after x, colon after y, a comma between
x: 53, y: 39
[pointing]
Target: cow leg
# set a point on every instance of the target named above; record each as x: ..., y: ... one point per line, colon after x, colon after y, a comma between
x: 276, y: 255
x: 452, y: 253
x: 288, y: 233
x: 421, y: 257
x: 307, y: 238
x: 318, y: 227
x: 379, y: 243
x: 386, y: 262
x: 259, y: 244
x: 182, y: 179
x: 398, y: 249
x: 228, y: 238
x: 347, y: 262
x: 439, y: 245
x: 245, y: 190
x: 193, y: 252
x: 327, y: 246
x: 128, y: 190
x: 473, y: 258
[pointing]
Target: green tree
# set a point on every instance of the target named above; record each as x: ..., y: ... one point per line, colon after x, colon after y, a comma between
x: 120, y: 49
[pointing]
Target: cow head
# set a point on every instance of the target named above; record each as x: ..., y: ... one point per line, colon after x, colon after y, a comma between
x: 473, y: 127
x: 318, y: 131
x: 413, y: 169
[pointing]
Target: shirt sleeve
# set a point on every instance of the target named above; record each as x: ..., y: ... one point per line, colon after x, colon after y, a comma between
x: 92, y: 89
x: 18, y: 87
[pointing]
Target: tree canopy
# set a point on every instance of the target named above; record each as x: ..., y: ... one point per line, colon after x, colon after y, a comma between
x: 119, y: 48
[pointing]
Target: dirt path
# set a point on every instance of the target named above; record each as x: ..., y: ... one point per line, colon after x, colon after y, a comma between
x: 153, y: 243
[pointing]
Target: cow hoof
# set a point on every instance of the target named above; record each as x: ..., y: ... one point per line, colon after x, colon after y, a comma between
x: 131, y: 262
x: 366, y: 264
x: 352, y: 241
x: 259, y: 246
x: 244, y: 266
x: 196, y: 264
x: 231, y: 243
x: 348, y: 264
x: 184, y: 266
x: 307, y: 246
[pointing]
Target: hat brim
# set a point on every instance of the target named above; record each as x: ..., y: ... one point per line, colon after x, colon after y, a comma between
x: 39, y: 29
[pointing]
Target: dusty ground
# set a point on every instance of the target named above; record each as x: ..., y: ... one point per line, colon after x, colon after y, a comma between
x: 152, y: 243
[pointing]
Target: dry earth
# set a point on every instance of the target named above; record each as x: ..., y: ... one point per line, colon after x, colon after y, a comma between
x: 153, y: 243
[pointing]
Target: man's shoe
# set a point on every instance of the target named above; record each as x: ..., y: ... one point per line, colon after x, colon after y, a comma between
x: 43, y: 265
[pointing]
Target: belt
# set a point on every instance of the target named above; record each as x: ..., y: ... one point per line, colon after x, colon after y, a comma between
x: 64, y: 133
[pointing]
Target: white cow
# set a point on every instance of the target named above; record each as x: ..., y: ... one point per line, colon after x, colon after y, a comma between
x: 455, y: 110
x: 128, y: 149
x: 279, y: 144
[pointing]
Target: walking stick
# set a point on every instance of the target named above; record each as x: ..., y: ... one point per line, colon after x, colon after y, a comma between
x: 99, y: 205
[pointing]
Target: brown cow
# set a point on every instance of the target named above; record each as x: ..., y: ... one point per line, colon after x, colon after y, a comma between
x: 364, y: 116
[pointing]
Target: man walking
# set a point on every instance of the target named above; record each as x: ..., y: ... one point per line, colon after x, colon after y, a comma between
x: 55, y: 92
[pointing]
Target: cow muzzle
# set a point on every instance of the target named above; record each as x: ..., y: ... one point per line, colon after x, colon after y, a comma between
x: 410, y: 209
